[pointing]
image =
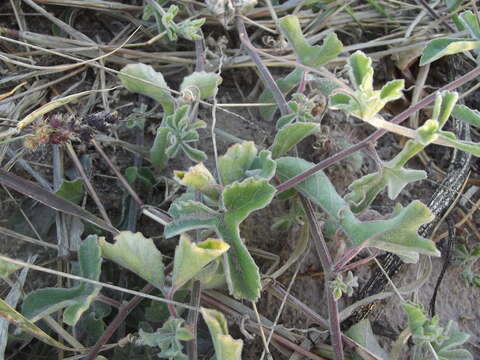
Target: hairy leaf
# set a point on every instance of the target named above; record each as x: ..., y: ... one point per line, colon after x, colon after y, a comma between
x: 226, y: 348
x: 239, y: 200
x: 168, y: 338
x: 137, y: 254
x: 190, y: 258
x: 397, y: 234
x: 143, y: 79
x: 437, y: 48
x: 290, y: 135
x: 202, y: 84
x: 360, y: 71
x: 464, y: 113
x: 200, y: 179
x: 76, y: 300
x: 236, y: 161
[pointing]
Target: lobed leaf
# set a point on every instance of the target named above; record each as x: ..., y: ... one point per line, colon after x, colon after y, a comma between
x: 76, y: 300
x: 392, y: 90
x: 136, y: 253
x: 263, y: 166
x: 143, y: 79
x: 437, y: 48
x: 199, y: 178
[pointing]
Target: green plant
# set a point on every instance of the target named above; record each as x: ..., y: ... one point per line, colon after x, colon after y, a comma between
x: 210, y: 210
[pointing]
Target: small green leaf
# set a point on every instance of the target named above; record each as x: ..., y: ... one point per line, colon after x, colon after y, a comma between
x: 226, y: 348
x: 200, y: 179
x: 137, y: 254
x: 392, y: 90
x: 77, y: 300
x: 202, y: 84
x: 143, y: 174
x: 71, y: 190
x: 14, y: 317
x: 342, y: 101
x: 158, y: 153
x: 465, y: 114
x: 190, y: 258
x: 471, y: 23
x: 263, y: 166
x: 236, y: 161
x: 168, y: 338
x: 468, y: 146
x: 309, y: 55
x: 143, y: 79
x: 363, y: 334
x: 360, y: 71
x: 7, y: 268
x: 437, y: 48
x: 189, y: 215
x: 290, y: 135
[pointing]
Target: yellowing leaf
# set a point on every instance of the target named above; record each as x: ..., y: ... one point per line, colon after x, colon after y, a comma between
x: 190, y: 258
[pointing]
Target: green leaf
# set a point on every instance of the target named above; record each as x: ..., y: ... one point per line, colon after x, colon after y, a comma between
x: 239, y: 200
x: 202, y: 84
x: 263, y: 166
x: 471, y: 23
x: 363, y: 334
x: 226, y: 348
x: 7, y: 268
x: 189, y: 215
x: 143, y: 79
x: 168, y: 338
x: 76, y: 300
x: 437, y: 48
x: 14, y: 317
x: 309, y: 55
x: 71, y: 190
x: 392, y: 90
x: 397, y: 234
x: 137, y: 254
x: 236, y: 161
x: 290, y: 135
x: 190, y: 258
x: 464, y: 113
x: 143, y: 174
x: 360, y: 71
x: 158, y: 152
x: 468, y: 146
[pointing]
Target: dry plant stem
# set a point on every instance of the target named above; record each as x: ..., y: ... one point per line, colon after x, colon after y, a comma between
x: 327, y: 265
x: 267, y: 78
x: 116, y: 322
x: 192, y: 319
x: 377, y: 134
x: 88, y: 184
x: 117, y: 172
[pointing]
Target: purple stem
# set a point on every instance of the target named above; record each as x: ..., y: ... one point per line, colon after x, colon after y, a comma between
x: 377, y: 134
x: 327, y: 265
x: 265, y: 75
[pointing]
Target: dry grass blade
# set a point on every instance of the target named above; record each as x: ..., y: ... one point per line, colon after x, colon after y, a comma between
x: 38, y: 193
